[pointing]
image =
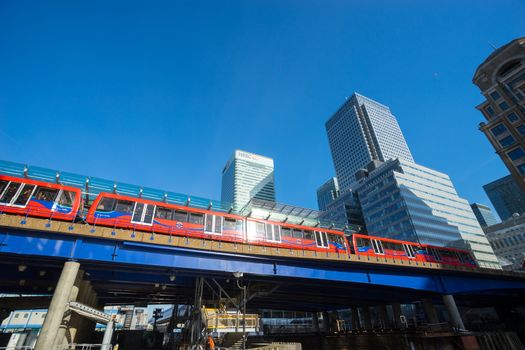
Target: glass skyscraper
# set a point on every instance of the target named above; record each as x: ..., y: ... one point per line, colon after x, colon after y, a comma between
x: 483, y: 214
x: 246, y: 176
x: 363, y: 130
x: 406, y: 201
x: 327, y: 193
x: 506, y: 196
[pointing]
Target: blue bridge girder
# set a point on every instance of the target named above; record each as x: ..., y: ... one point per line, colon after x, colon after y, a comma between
x: 120, y: 256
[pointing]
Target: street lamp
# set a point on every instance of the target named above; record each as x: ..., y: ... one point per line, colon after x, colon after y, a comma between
x: 238, y: 275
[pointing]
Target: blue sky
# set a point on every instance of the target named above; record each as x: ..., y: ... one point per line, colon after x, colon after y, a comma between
x: 161, y: 93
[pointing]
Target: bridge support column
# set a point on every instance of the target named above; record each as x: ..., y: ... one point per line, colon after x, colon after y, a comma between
x: 76, y: 320
x: 367, y: 318
x: 66, y: 320
x: 396, y: 310
x: 356, y: 324
x: 430, y: 311
x: 55, y: 313
x: 453, y: 311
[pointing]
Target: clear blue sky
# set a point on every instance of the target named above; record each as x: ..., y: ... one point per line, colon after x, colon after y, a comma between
x: 161, y: 93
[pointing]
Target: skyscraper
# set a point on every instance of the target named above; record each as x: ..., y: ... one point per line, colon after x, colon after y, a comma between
x: 410, y: 202
x: 246, y: 176
x: 506, y: 197
x: 327, y: 193
x: 501, y: 79
x: 360, y: 131
x: 483, y: 214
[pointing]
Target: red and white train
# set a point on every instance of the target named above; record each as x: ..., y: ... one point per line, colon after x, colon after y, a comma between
x: 42, y: 199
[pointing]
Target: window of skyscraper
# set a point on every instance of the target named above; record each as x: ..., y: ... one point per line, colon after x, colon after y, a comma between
x: 521, y: 168
x: 504, y: 106
x: 521, y: 129
x: 513, y: 117
x: 507, y: 141
x: 516, y: 154
x: 498, y: 129
x: 495, y: 95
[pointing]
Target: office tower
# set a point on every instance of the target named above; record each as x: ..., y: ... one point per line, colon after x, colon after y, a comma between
x: 360, y: 131
x: 345, y: 209
x: 327, y: 193
x: 508, y: 241
x: 246, y: 176
x: 406, y: 201
x: 483, y: 214
x: 506, y: 197
x: 501, y: 79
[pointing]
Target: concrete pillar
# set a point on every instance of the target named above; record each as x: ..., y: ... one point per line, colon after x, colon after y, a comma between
x: 430, y: 311
x: 77, y: 320
x: 55, y: 313
x: 383, y: 317
x: 452, y: 308
x: 61, y: 334
x: 367, y: 318
x: 396, y: 310
x: 356, y: 323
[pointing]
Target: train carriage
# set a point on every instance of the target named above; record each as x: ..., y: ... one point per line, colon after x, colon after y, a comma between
x: 38, y: 198
x: 385, y: 247
x: 141, y: 214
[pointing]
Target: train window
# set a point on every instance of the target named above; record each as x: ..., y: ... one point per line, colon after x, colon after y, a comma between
x: 148, y: 215
x: 435, y: 254
x: 239, y: 226
x: 3, y: 185
x: 309, y: 235
x: 163, y: 213
x: 229, y: 224
x: 179, y: 215
x: 24, y: 195
x: 286, y: 231
x: 297, y: 234
x: 10, y: 192
x: 105, y: 204
x: 124, y: 206
x: 66, y: 199
x: 363, y: 242
x: 196, y: 218
x: 137, y: 213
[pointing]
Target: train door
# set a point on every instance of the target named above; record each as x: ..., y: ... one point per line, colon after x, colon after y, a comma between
x: 378, y: 247
x: 273, y: 233
x: 17, y: 194
x: 409, y: 250
x: 435, y: 254
x: 321, y: 239
x: 143, y: 214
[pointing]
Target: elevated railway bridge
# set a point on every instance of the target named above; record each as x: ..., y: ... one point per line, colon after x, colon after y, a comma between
x: 50, y: 258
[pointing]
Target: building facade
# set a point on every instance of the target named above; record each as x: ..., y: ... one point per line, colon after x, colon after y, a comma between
x: 360, y: 131
x: 406, y: 201
x: 327, y: 193
x: 345, y: 209
x: 508, y: 241
x: 501, y: 79
x: 483, y: 214
x: 506, y: 197
x: 246, y: 176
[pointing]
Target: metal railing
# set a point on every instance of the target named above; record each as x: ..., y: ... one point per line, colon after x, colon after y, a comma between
x: 83, y: 347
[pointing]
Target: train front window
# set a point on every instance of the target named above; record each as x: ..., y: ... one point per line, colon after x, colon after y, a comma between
x: 124, y: 206
x: 25, y: 194
x: 10, y: 192
x: 106, y: 204
x: 66, y: 199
